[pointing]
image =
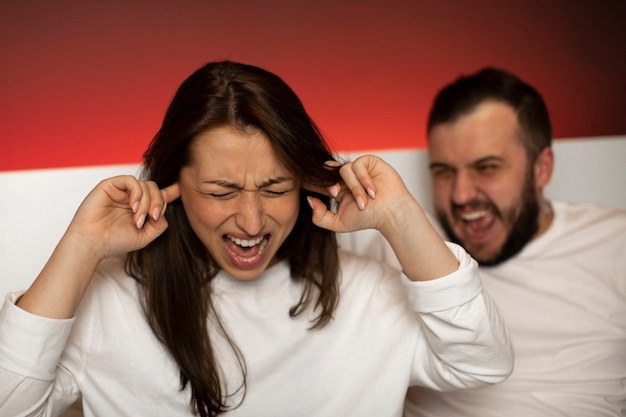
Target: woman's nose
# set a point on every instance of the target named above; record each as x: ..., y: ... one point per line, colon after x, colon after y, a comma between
x: 250, y: 214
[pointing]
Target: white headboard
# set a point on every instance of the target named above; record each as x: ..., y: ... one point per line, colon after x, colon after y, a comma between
x: 37, y: 206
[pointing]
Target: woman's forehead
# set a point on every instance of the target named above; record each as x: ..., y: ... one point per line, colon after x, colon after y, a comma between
x: 232, y: 155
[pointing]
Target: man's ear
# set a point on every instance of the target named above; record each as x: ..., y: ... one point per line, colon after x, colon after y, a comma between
x: 544, y: 165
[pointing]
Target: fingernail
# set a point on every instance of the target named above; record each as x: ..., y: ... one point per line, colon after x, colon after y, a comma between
x: 135, y: 206
x: 310, y: 201
x: 360, y: 202
x: 141, y: 220
x: 156, y: 213
x: 371, y: 192
x: 163, y: 211
x: 334, y: 190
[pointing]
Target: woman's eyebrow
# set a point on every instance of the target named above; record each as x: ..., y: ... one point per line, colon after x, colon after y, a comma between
x: 221, y: 183
x: 277, y: 180
x: 229, y: 184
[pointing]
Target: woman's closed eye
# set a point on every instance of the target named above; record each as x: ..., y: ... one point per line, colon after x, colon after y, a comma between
x: 225, y: 195
x: 273, y: 193
x: 222, y: 196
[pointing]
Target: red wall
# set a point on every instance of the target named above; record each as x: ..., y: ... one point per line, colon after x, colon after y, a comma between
x: 86, y: 82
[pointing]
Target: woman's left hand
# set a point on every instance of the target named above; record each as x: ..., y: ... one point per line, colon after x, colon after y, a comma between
x: 373, y: 196
x: 367, y: 197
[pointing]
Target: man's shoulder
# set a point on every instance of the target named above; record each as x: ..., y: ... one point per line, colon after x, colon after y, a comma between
x: 579, y: 230
x: 589, y: 214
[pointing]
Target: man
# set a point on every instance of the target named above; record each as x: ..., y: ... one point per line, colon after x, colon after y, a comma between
x: 557, y: 271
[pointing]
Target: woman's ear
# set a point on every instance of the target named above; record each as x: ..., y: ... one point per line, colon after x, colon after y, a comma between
x: 544, y: 165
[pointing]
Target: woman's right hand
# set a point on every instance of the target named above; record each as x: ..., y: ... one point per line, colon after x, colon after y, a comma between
x: 120, y: 215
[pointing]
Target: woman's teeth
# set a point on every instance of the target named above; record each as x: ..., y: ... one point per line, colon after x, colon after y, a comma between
x: 246, y: 243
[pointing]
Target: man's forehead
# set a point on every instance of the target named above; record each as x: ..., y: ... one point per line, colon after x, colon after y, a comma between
x: 492, y: 128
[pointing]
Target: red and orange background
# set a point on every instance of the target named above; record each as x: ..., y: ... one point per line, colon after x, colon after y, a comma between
x: 86, y: 82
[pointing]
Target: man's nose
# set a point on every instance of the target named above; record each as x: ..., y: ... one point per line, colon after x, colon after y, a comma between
x: 463, y: 188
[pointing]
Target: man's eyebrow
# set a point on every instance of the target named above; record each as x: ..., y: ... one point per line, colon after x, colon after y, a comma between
x: 434, y: 165
x: 489, y: 158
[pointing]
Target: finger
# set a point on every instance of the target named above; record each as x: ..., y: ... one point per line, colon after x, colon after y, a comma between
x: 141, y: 206
x: 122, y: 189
x: 150, y: 204
x: 171, y: 193
x: 157, y: 201
x: 153, y: 228
x: 362, y: 168
x: 322, y: 217
x: 155, y: 222
x: 332, y: 164
x: 353, y: 184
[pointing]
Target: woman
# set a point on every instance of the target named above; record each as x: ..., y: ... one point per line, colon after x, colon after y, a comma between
x: 215, y: 285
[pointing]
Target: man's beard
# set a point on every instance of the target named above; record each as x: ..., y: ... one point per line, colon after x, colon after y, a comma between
x: 524, y: 226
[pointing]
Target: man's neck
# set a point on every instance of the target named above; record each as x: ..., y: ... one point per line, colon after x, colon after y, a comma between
x: 546, y: 215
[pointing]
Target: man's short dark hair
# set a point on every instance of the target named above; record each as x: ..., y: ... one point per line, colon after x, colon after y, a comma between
x: 468, y: 91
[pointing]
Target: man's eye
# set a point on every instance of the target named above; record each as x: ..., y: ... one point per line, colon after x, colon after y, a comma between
x: 487, y: 168
x: 440, y: 172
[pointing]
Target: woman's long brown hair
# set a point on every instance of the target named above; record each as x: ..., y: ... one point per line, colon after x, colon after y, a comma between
x: 176, y: 269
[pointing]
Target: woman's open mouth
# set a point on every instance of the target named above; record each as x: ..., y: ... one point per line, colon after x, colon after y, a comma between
x: 246, y: 253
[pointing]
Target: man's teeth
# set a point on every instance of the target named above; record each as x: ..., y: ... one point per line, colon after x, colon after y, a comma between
x: 468, y: 217
x: 246, y: 243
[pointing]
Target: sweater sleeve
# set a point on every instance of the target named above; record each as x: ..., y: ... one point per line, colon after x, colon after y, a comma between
x: 464, y: 343
x: 31, y: 381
